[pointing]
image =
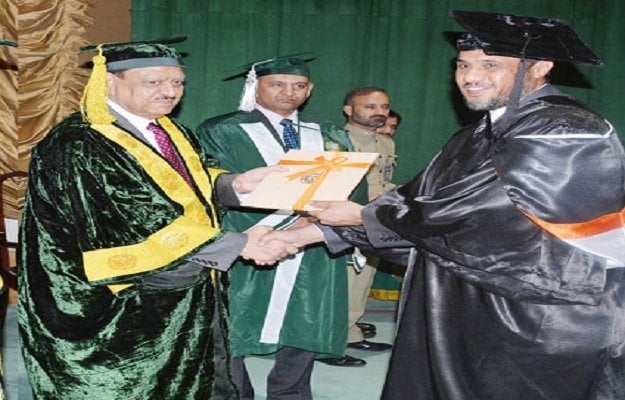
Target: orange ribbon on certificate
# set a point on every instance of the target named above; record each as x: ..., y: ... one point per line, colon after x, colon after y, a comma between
x: 320, y: 164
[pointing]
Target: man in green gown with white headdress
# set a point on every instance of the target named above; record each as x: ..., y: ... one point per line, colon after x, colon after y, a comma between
x: 299, y: 309
x: 119, y: 288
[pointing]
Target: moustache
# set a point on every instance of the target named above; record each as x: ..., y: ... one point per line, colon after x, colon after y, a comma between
x: 470, y: 85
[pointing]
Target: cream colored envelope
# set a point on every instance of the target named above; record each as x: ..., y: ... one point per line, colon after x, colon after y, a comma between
x: 312, y: 175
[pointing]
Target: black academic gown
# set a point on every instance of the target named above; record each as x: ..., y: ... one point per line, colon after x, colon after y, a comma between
x: 494, y: 306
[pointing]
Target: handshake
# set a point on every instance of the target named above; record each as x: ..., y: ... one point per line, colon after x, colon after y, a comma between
x: 263, y: 251
x: 266, y: 246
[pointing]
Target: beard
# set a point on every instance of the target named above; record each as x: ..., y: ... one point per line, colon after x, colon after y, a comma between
x: 487, y: 105
x: 374, y: 121
x: 503, y: 99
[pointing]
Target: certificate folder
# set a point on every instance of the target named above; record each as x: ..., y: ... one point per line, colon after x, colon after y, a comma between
x: 311, y: 175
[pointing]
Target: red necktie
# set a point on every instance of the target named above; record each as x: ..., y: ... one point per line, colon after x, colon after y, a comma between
x: 168, y: 151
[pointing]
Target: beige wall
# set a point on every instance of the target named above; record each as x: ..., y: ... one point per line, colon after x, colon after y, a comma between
x: 111, y: 21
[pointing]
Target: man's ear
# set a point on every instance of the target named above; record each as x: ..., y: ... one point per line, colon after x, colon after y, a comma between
x: 310, y: 88
x: 347, y: 110
x: 541, y: 69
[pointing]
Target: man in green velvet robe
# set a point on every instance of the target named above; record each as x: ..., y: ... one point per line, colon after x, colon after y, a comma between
x: 299, y: 309
x: 119, y: 287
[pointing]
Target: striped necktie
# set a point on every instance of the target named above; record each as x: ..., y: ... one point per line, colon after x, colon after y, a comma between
x: 168, y: 151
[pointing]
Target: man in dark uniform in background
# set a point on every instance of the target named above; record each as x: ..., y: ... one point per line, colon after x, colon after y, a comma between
x: 366, y: 109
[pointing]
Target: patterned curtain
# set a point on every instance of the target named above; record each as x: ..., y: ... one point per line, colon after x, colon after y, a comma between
x: 41, y: 80
x: 8, y: 93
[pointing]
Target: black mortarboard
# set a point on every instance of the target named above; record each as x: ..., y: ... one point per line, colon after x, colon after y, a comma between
x: 523, y: 37
x: 141, y: 54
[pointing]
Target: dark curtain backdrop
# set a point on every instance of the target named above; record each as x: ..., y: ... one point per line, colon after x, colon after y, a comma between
x: 400, y: 45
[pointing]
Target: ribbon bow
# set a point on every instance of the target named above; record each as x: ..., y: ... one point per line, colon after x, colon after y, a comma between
x: 322, y: 165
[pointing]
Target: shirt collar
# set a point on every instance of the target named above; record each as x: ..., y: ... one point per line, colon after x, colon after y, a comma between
x: 135, y: 120
x: 275, y: 118
x: 496, y: 114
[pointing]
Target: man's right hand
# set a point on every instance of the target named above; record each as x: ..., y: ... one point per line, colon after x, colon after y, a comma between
x: 270, y: 252
x: 297, y: 236
x: 337, y: 213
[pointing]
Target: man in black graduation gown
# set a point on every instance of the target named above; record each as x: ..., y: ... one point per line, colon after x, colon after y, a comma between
x: 513, y: 234
x: 119, y: 287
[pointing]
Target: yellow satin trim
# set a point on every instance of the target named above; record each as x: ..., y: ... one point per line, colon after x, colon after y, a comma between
x: 183, y: 235
x: 385, y: 294
x: 192, y: 160
x: 159, y: 249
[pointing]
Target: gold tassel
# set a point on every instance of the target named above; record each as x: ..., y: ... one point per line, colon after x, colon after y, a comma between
x: 93, y: 106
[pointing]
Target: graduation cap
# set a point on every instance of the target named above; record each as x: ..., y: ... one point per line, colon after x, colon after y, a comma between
x: 140, y: 54
x: 115, y: 57
x: 284, y: 65
x: 292, y: 64
x: 522, y: 37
